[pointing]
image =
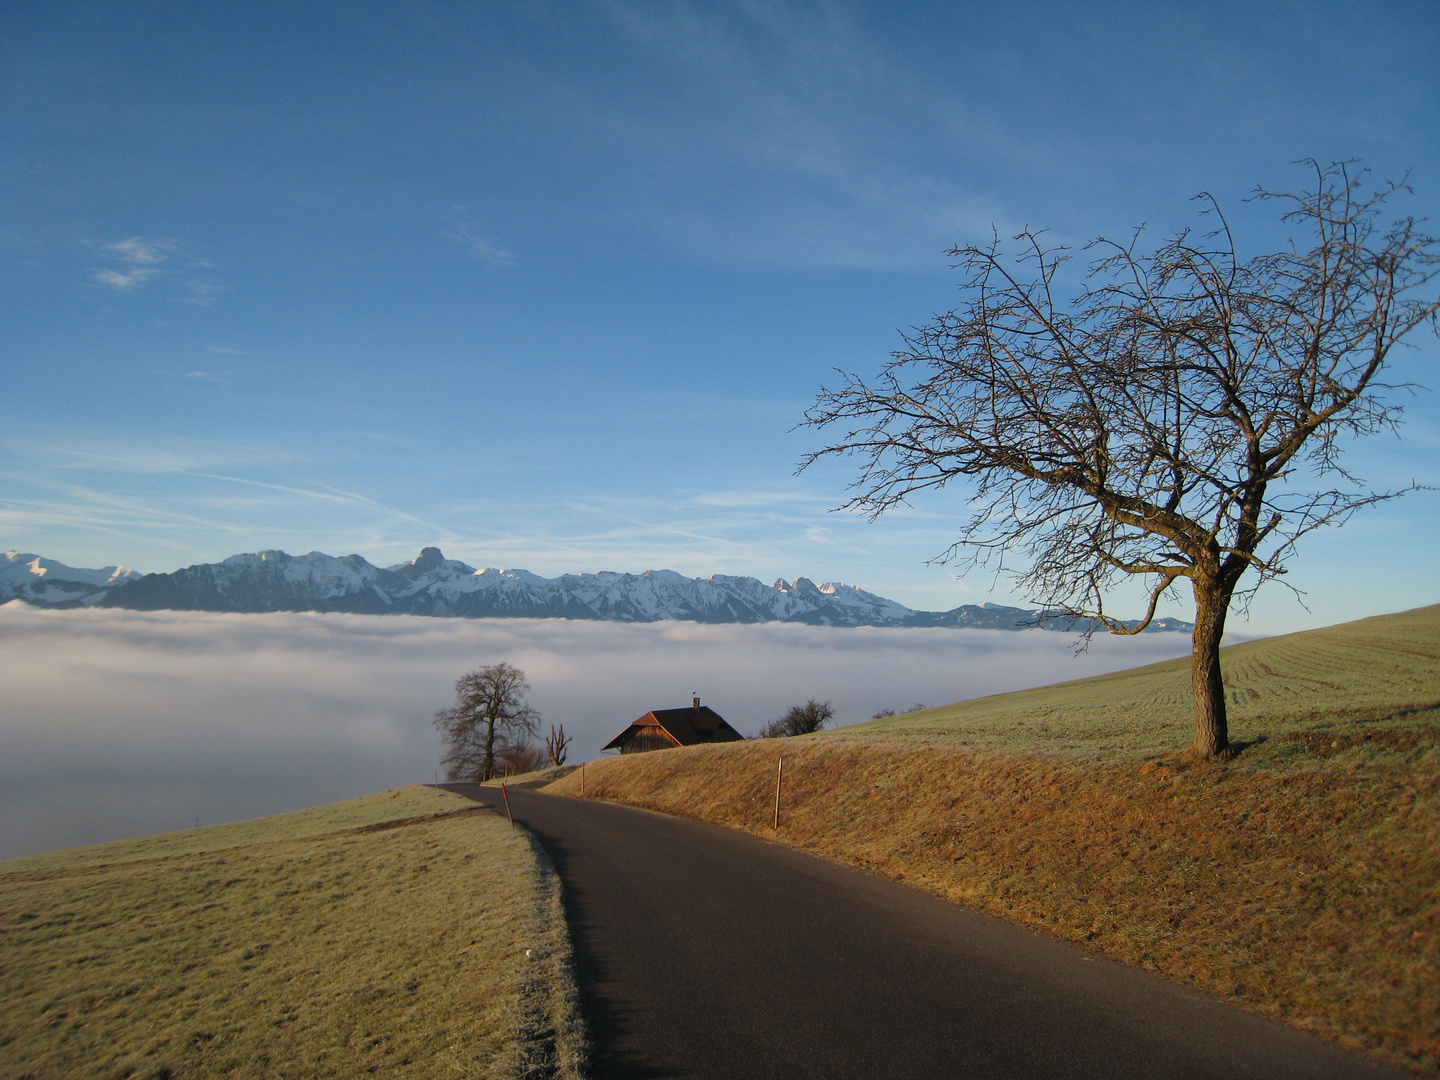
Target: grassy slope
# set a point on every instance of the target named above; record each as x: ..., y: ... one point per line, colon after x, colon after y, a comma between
x: 1365, y: 670
x: 1298, y: 880
x: 533, y: 779
x: 384, y: 935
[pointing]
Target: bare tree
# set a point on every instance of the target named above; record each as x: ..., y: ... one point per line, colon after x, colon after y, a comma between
x: 1182, y: 418
x: 490, y: 714
x: 521, y: 756
x: 799, y: 720
x: 886, y: 713
x: 557, y: 745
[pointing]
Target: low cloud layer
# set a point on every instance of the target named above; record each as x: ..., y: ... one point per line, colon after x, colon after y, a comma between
x: 122, y: 723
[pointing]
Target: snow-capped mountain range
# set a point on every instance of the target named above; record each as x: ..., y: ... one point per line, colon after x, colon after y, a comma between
x: 431, y: 584
x: 48, y: 583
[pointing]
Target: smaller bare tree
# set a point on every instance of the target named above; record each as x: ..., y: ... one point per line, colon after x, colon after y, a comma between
x: 799, y: 720
x: 557, y: 745
x: 522, y: 756
x: 490, y: 715
x: 885, y: 713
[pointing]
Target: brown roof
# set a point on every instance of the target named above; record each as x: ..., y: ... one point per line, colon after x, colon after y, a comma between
x: 685, y: 726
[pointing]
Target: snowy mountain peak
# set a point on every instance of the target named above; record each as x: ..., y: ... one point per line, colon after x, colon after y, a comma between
x: 431, y: 584
x: 17, y: 567
x: 432, y: 564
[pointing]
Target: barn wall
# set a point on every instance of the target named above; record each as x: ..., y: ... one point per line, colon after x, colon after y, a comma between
x: 644, y: 739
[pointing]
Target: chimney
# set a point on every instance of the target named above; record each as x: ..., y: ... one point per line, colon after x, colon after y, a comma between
x: 697, y: 703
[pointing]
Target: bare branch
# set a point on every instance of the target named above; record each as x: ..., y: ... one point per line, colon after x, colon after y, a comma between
x: 1163, y: 423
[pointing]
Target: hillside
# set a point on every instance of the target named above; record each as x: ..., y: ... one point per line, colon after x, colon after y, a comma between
x: 405, y: 933
x: 1297, y: 880
x: 1387, y: 667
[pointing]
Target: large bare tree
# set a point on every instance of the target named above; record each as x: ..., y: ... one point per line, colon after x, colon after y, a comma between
x: 490, y: 715
x: 1182, y: 417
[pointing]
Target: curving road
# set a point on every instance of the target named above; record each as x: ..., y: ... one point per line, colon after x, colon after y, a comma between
x: 708, y: 953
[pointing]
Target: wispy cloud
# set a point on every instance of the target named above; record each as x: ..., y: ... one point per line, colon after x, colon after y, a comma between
x: 120, y: 723
x: 83, y: 506
x: 481, y: 247
x: 108, y: 498
x: 138, y: 260
x: 138, y: 251
x: 610, y: 533
x: 186, y: 498
x: 124, y: 280
x: 166, y: 456
x: 202, y: 292
x: 810, y: 125
x: 388, y: 438
x: 761, y: 499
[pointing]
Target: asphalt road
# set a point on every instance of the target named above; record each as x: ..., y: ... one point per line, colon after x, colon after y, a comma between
x: 704, y: 952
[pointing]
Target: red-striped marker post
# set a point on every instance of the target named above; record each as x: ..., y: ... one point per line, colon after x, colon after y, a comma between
x: 779, y: 779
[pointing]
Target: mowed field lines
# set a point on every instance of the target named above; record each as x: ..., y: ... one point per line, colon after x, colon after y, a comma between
x: 1373, y: 669
x: 403, y: 934
x: 1298, y: 879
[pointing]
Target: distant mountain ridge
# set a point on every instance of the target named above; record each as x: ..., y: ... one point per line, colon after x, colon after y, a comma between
x: 48, y: 583
x: 431, y: 584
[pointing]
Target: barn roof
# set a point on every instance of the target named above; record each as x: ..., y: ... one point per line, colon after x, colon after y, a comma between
x: 685, y: 726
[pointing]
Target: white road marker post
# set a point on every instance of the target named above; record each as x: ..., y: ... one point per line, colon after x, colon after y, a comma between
x: 779, y: 779
x: 582, y: 778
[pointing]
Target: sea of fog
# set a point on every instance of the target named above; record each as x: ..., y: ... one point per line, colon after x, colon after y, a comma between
x: 123, y: 723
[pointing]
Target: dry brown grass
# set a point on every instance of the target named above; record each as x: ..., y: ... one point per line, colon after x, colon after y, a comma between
x: 532, y: 779
x: 1298, y: 880
x: 386, y: 936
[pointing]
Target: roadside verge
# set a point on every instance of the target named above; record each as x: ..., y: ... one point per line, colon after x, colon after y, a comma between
x: 407, y: 933
x: 1297, y: 882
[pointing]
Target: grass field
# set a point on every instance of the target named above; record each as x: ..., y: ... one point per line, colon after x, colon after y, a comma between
x: 402, y: 934
x: 1298, y: 880
x: 1382, y: 668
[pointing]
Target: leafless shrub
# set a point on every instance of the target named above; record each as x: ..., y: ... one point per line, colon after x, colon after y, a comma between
x: 557, y: 745
x: 799, y: 720
x: 521, y: 757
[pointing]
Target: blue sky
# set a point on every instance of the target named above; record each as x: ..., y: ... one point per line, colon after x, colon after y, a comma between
x: 549, y: 285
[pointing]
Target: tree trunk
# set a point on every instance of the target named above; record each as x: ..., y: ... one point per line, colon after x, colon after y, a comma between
x: 489, y: 766
x: 1212, y: 733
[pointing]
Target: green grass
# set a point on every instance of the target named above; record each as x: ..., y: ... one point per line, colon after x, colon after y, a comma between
x: 407, y: 934
x: 406, y: 802
x: 1381, y: 669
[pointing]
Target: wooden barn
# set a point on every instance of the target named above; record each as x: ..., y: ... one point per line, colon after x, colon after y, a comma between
x: 664, y: 728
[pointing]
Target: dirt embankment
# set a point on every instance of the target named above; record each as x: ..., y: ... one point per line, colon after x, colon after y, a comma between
x: 1300, y: 883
